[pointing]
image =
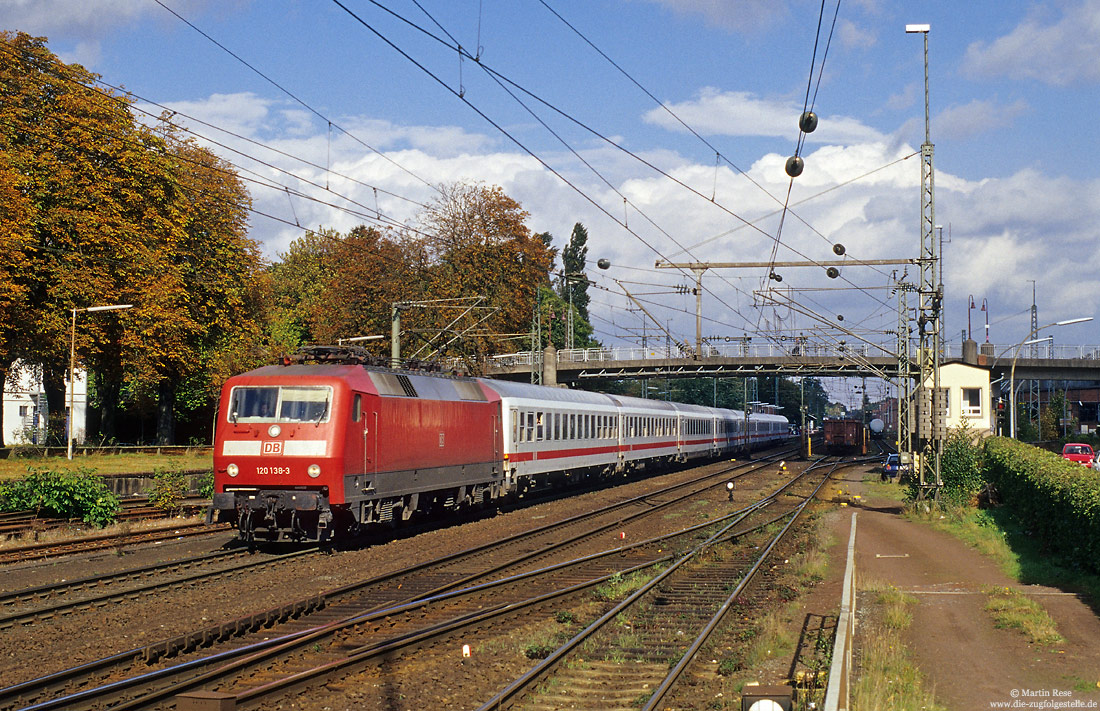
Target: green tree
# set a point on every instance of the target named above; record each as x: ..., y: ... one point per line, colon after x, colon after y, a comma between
x: 299, y: 281
x: 573, y: 285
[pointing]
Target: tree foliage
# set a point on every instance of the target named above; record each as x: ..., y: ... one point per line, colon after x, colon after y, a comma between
x: 106, y: 210
x: 67, y: 494
x: 573, y: 285
x: 470, y: 242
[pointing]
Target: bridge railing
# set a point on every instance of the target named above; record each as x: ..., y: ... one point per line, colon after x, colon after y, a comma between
x: 725, y: 350
x: 749, y: 349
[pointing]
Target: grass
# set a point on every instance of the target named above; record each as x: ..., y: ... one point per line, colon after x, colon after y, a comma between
x: 618, y: 586
x: 137, y: 463
x: 997, y: 535
x: 767, y: 639
x: 1012, y: 609
x: 888, y: 679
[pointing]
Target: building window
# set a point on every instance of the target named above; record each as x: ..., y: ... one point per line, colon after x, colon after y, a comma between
x: 972, y: 402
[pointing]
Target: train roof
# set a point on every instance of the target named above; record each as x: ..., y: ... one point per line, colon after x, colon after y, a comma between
x: 529, y: 391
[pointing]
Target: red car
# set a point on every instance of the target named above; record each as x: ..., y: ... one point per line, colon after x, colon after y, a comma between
x: 1080, y: 453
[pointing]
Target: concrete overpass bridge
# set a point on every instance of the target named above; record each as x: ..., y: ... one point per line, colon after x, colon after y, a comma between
x: 745, y: 358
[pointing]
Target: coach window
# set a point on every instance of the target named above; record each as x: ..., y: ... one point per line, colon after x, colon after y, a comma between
x: 515, y: 426
x: 357, y: 408
x: 529, y: 435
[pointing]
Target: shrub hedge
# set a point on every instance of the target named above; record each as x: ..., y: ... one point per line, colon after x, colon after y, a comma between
x: 1057, y: 500
x: 66, y: 494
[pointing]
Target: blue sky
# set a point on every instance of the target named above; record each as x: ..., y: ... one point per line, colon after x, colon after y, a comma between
x: 1013, y: 95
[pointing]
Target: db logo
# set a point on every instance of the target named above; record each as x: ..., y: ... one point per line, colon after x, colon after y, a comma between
x: 272, y: 448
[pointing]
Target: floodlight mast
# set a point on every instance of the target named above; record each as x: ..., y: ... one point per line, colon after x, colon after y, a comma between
x: 932, y: 421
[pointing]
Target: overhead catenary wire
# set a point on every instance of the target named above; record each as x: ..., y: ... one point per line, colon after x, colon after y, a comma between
x: 458, y: 48
x: 293, y: 96
x: 495, y: 125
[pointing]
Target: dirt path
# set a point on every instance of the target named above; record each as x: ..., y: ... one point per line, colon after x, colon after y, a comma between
x: 968, y: 662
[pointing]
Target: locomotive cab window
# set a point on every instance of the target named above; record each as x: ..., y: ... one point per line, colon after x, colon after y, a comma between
x: 280, y: 404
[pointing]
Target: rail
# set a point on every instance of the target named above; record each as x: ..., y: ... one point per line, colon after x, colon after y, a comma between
x: 838, y: 689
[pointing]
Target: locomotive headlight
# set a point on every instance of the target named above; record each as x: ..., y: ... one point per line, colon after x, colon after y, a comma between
x: 274, y: 431
x: 232, y: 470
x: 314, y: 470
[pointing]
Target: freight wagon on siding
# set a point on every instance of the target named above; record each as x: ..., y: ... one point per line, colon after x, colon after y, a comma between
x: 845, y: 436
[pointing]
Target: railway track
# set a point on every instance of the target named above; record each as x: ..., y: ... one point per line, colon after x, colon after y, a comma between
x: 669, y: 620
x: 383, y: 603
x: 21, y: 523
x: 21, y: 607
x: 38, y: 551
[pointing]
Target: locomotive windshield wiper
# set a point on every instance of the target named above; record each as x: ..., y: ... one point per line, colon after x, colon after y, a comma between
x: 324, y: 411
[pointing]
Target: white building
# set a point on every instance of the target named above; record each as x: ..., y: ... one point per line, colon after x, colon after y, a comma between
x: 968, y: 397
x: 25, y: 409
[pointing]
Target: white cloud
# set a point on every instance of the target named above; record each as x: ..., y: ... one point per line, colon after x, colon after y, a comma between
x: 244, y: 113
x: 740, y: 16
x: 1026, y: 226
x: 976, y: 117
x: 87, y: 18
x: 739, y: 113
x: 853, y: 36
x: 1058, y: 51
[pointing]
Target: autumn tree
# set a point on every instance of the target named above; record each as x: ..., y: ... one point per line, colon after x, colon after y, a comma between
x: 479, y: 245
x: 15, y: 307
x: 202, y: 294
x: 92, y: 183
x: 115, y: 212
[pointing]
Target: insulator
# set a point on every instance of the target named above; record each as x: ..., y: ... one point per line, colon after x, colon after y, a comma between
x: 807, y: 121
x: 832, y: 272
x: 604, y: 263
x: 838, y: 249
x: 840, y: 317
x: 795, y: 166
x: 776, y: 277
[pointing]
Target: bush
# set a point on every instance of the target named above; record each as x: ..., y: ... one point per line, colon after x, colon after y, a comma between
x: 205, y: 485
x: 961, y: 466
x: 167, y: 490
x: 1058, y: 501
x: 69, y: 494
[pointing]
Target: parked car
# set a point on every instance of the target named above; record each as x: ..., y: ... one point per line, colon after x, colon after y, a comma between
x: 893, y: 467
x: 1078, y: 452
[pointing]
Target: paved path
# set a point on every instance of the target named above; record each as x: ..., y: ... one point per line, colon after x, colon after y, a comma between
x: 969, y: 663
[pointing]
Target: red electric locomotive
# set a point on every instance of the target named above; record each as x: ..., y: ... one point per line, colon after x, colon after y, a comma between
x: 307, y: 448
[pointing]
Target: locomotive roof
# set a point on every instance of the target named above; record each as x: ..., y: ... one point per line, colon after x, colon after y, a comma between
x: 422, y: 385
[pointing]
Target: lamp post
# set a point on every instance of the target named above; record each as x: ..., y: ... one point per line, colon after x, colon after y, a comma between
x: 72, y: 366
x: 1012, y: 370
